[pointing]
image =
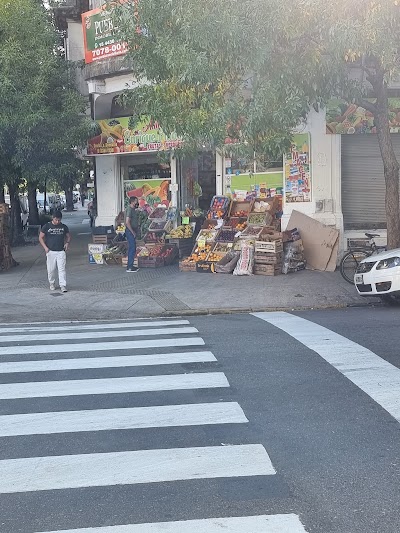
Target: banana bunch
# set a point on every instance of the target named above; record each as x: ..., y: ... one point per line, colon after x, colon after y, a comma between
x: 112, y: 128
x: 182, y: 232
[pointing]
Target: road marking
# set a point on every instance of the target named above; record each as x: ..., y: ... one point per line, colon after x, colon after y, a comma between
x: 127, y: 418
x: 128, y: 468
x: 280, y: 523
x: 83, y: 387
x: 106, y: 362
x: 372, y: 374
x: 100, y: 346
x: 76, y: 326
x: 97, y: 335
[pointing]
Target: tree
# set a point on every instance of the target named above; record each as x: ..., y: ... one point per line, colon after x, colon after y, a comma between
x: 42, y: 116
x: 249, y: 70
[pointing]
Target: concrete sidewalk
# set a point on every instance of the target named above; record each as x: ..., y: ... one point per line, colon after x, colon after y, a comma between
x: 108, y: 292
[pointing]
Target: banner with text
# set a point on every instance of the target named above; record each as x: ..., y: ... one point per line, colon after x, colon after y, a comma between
x: 127, y: 135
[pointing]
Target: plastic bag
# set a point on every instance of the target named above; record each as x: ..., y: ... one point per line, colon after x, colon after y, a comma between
x: 246, y: 261
x: 293, y: 257
x: 228, y: 263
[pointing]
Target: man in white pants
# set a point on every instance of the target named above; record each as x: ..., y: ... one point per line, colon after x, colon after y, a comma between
x: 55, y: 238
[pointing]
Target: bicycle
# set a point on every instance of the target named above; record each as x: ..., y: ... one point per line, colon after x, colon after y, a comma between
x: 352, y: 258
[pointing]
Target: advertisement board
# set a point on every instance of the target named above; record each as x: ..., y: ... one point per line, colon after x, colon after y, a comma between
x: 127, y: 135
x: 100, y: 35
x: 298, y: 170
x: 350, y: 119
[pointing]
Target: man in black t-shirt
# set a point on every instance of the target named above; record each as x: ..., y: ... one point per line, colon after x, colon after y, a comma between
x: 55, y: 238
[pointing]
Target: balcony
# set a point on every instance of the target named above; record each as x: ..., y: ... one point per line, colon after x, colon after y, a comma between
x: 107, y: 67
x: 68, y: 9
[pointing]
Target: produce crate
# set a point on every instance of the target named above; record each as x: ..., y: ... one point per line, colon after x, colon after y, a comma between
x: 219, y: 204
x: 252, y: 232
x: 268, y: 258
x: 102, y: 239
x: 214, y: 257
x: 160, y: 225
x: 209, y: 234
x: 174, y: 255
x: 209, y: 224
x: 186, y: 266
x: 257, y: 219
x: 184, y: 246
x: 224, y: 247
x: 240, y: 208
x: 150, y: 262
x: 205, y: 267
x: 271, y: 205
x: 272, y: 246
x: 226, y: 235
x: 158, y: 213
x: 267, y: 270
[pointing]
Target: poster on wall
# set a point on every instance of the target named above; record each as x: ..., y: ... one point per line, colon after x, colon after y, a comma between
x: 101, y: 37
x: 298, y: 170
x: 125, y: 134
x: 150, y: 193
x: 350, y: 119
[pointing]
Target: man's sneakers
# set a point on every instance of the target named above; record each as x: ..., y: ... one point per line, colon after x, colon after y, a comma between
x: 133, y: 269
x: 52, y: 287
x: 64, y: 289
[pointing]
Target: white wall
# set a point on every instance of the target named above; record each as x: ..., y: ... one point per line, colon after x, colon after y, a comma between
x: 109, y: 190
x: 325, y: 176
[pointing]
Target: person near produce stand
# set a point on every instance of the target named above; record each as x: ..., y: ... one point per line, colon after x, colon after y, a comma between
x: 55, y: 238
x: 132, y: 226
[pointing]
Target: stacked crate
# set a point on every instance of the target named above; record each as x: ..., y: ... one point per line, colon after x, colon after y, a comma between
x: 6, y: 260
x: 268, y: 254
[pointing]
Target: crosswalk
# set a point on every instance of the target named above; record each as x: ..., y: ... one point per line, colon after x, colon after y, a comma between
x: 92, y: 383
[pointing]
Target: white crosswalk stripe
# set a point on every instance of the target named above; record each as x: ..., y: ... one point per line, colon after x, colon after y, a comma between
x: 107, y: 362
x: 67, y: 348
x: 125, y: 418
x: 283, y: 523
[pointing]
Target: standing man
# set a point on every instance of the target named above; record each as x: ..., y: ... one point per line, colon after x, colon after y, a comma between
x: 55, y: 238
x: 132, y: 226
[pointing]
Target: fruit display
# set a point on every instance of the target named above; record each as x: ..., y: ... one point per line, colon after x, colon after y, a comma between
x: 218, y: 207
x: 208, y: 234
x: 199, y: 254
x: 154, y: 237
x: 158, y: 226
x: 156, y: 251
x: 159, y: 213
x: 238, y: 224
x: 226, y: 235
x: 182, y: 232
x: 256, y: 219
x: 240, y: 209
x: 252, y: 231
x: 214, y: 257
x: 223, y: 247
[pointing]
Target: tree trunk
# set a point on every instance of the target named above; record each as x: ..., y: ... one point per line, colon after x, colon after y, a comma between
x: 390, y: 166
x: 15, y: 216
x: 69, y: 198
x: 32, y: 202
x: 2, y: 197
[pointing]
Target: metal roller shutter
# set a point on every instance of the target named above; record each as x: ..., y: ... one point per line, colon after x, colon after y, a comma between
x: 363, y: 183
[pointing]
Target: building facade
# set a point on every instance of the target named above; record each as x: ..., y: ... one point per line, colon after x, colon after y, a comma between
x: 334, y: 175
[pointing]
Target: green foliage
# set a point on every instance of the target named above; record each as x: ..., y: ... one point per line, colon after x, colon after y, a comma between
x: 41, y: 114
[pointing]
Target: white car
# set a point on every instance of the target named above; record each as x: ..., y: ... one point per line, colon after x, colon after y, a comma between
x: 379, y: 275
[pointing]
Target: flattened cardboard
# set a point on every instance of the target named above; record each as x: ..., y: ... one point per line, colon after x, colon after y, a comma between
x: 320, y: 241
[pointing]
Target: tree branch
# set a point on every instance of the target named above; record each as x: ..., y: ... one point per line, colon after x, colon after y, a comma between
x: 367, y: 105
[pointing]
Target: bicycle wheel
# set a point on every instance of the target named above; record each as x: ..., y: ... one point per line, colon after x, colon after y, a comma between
x: 350, y: 262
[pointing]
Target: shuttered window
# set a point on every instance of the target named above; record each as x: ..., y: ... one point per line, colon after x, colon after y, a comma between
x: 363, y: 182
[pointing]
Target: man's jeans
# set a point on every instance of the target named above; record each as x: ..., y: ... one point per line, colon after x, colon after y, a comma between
x: 57, y: 260
x: 131, y: 248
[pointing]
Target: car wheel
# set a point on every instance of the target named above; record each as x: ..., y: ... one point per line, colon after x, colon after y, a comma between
x: 392, y: 299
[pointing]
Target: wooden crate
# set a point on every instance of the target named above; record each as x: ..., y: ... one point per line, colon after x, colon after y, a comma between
x: 150, y: 262
x: 268, y: 258
x: 239, y: 206
x: 102, y: 239
x: 186, y: 266
x: 267, y: 270
x: 184, y: 246
x: 274, y: 247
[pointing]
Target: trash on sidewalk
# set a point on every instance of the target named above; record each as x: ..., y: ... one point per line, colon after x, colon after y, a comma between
x: 321, y: 243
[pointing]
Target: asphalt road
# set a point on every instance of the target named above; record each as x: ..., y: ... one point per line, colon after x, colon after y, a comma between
x: 333, y: 447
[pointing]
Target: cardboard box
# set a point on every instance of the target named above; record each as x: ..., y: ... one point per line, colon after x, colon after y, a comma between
x: 95, y: 252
